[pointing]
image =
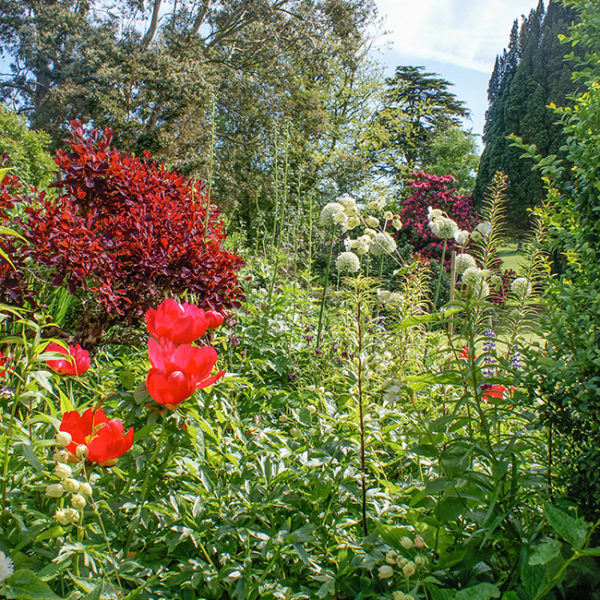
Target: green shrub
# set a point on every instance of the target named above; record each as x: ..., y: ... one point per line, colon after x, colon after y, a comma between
x: 26, y: 150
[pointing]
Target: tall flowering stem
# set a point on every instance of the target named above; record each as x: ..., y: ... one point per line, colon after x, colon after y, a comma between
x: 363, y: 476
x: 439, y: 281
x: 322, y: 307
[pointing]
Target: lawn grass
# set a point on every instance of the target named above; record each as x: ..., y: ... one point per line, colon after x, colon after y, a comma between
x: 512, y: 258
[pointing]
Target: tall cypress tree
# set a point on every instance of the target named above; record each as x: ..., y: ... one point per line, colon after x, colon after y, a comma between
x: 527, y: 77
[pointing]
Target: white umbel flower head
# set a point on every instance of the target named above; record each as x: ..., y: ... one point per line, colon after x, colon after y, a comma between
x: 496, y: 282
x: 443, y: 228
x: 462, y: 262
x: 484, y: 228
x: 347, y: 262
x: 396, y: 223
x: 378, y: 204
x: 471, y: 276
x: 434, y: 213
x: 6, y: 566
x: 347, y: 201
x: 340, y: 218
x: 351, y: 223
x: 461, y: 237
x: 328, y: 213
x: 383, y: 243
x: 520, y: 287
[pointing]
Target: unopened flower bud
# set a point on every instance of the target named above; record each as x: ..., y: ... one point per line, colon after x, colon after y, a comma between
x: 388, y: 215
x: 61, y: 456
x: 82, y: 451
x: 72, y: 515
x: 78, y: 501
x: 85, y: 489
x: 71, y: 485
x: 54, y: 490
x: 391, y: 557
x: 63, y: 438
x: 62, y: 470
x: 61, y: 516
x: 385, y: 572
x: 420, y: 561
x: 409, y: 569
x: 419, y: 542
x: 402, y: 561
x: 406, y: 543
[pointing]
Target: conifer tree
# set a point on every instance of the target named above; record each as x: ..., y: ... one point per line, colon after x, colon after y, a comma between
x: 527, y: 77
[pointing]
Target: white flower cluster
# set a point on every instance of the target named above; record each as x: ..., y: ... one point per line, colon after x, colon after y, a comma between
x: 383, y: 243
x: 375, y: 240
x: 462, y: 262
x: 391, y: 300
x: 67, y: 483
x: 475, y: 280
x: 444, y: 227
x: 521, y: 287
x: 347, y: 262
x: 482, y: 230
x: 6, y: 566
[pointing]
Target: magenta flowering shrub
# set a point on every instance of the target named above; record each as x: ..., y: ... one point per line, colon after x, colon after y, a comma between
x: 437, y: 191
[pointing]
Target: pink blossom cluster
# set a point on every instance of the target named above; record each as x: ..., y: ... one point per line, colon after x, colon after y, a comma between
x: 436, y: 191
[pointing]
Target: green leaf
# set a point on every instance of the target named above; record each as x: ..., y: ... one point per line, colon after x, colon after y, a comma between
x: 455, y: 460
x: 572, y: 530
x: 94, y: 594
x: 26, y: 585
x: 50, y: 534
x: 545, y: 552
x: 26, y: 449
x: 449, y: 508
x: 482, y: 591
x: 437, y: 593
x: 426, y: 450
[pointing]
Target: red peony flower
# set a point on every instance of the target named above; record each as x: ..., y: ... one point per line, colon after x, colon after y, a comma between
x: 493, y: 392
x: 3, y: 361
x: 77, y: 360
x: 102, y: 436
x: 180, y: 323
x: 177, y: 371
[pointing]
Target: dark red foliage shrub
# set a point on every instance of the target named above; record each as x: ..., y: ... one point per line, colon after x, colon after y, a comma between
x: 436, y: 191
x: 128, y: 231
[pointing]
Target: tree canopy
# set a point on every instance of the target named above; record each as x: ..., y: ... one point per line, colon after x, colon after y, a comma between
x: 416, y: 111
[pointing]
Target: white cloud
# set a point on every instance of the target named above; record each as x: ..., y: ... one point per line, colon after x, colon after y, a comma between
x: 466, y: 33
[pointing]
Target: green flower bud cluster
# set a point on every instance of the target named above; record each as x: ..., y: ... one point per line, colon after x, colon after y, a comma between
x: 406, y: 566
x: 68, y: 484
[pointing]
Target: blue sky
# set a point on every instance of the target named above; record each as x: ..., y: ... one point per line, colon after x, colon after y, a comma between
x: 457, y: 39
